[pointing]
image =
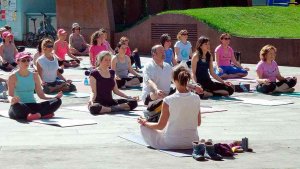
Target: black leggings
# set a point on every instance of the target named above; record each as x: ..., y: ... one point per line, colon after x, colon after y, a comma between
x: 21, y: 110
x: 135, y: 58
x: 268, y: 88
x: 122, y: 82
x: 211, y: 86
x: 95, y: 108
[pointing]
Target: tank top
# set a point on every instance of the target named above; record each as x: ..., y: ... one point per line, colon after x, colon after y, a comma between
x: 49, y: 67
x: 25, y: 88
x: 9, y: 53
x: 104, y: 87
x: 122, y: 67
x: 77, y: 42
x: 202, y: 70
x: 61, y: 50
x: 169, y: 55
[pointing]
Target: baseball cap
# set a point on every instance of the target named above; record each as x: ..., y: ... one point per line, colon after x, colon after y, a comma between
x: 7, y: 34
x: 22, y: 55
x: 74, y: 25
x: 61, y: 32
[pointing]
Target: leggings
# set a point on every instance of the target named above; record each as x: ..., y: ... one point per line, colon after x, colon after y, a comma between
x: 135, y: 58
x: 95, y: 108
x: 211, y: 86
x: 21, y: 110
x: 268, y: 88
x: 122, y: 82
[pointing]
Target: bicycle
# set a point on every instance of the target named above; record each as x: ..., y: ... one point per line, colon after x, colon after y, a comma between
x: 46, y: 30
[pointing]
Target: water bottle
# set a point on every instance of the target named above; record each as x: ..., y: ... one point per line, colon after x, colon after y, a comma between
x: 86, y: 81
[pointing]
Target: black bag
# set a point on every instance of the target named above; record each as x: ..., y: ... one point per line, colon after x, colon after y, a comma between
x: 152, y: 114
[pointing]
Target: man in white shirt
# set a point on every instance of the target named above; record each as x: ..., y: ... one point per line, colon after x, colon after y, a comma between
x: 158, y: 76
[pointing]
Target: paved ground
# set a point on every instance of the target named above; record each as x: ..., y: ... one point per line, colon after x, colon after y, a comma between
x: 273, y: 133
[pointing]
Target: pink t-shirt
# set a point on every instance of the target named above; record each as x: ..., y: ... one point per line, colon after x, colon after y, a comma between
x: 128, y: 52
x: 224, y: 57
x: 94, y: 51
x: 268, y: 71
x: 62, y: 48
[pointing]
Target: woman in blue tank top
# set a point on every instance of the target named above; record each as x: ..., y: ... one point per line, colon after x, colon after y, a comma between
x: 202, y: 63
x: 21, y: 86
x: 166, y: 42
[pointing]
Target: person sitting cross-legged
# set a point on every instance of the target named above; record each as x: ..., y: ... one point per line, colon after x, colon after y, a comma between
x: 47, y: 67
x: 21, y: 86
x: 267, y: 72
x: 180, y: 117
x: 103, y: 83
x: 122, y: 66
x: 225, y: 58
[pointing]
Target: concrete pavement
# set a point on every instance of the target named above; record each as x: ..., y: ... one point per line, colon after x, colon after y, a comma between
x: 273, y: 133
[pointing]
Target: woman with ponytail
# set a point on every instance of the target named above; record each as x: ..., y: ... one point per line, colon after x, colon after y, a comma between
x: 180, y: 116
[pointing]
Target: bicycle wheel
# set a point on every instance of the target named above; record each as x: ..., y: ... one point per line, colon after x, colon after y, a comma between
x: 30, y: 39
x: 48, y: 37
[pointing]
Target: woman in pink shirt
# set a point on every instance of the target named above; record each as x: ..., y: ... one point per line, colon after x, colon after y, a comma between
x: 97, y: 46
x: 227, y: 66
x: 267, y: 73
x: 61, y: 48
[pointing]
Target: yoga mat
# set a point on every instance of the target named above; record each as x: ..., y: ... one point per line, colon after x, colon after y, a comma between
x: 82, y: 108
x: 64, y: 122
x: 293, y: 94
x: 210, y: 110
x: 57, y: 121
x: 138, y: 139
x: 254, y: 101
x: 264, y: 102
x: 126, y: 114
x: 77, y: 95
x: 73, y: 94
x: 249, y: 80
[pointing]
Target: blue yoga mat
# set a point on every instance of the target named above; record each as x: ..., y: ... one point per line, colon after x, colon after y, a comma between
x: 138, y: 139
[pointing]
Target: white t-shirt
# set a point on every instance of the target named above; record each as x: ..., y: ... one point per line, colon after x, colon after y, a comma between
x: 183, y: 120
x: 184, y: 50
x: 162, y: 77
x: 49, y: 67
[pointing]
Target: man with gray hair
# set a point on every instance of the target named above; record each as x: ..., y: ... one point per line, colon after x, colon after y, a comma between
x: 157, y: 77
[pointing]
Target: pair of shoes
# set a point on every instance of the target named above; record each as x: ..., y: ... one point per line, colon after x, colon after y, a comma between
x: 205, y: 150
x: 35, y: 116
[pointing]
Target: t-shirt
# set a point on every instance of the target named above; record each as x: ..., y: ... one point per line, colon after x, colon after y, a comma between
x: 94, y: 51
x: 183, y: 120
x: 77, y: 42
x: 128, y: 51
x: 162, y: 77
x: 224, y: 57
x: 184, y: 50
x: 61, y: 50
x: 169, y: 56
x: 268, y: 71
x: 49, y: 67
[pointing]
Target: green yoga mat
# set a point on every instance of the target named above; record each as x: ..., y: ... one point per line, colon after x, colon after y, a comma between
x: 294, y: 94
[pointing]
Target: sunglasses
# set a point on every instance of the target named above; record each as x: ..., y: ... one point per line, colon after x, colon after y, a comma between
x: 226, y: 38
x: 168, y: 40
x: 77, y: 28
x: 49, y: 46
x: 25, y: 60
x: 185, y: 34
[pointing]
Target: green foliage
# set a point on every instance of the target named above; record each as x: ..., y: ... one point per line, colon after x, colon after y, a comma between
x: 272, y: 22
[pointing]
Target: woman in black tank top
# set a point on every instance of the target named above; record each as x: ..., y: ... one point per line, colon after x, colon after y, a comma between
x: 202, y: 63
